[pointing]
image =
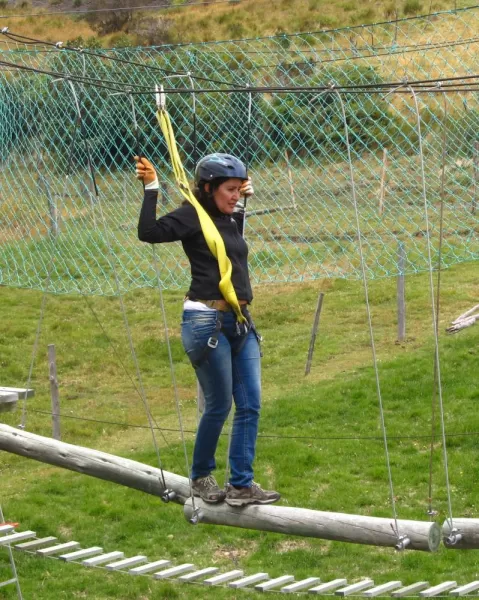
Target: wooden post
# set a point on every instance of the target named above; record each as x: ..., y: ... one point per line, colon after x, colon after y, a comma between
x: 382, y: 188
x: 52, y: 367
x: 474, y: 167
x: 401, y: 293
x: 290, y: 179
x: 313, y: 333
x: 376, y: 531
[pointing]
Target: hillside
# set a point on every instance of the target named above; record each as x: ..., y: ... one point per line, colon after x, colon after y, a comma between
x: 226, y: 20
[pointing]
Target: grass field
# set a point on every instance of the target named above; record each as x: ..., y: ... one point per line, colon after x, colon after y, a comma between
x: 320, y: 437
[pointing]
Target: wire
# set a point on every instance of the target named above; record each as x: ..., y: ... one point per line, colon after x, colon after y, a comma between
x: 274, y: 436
x: 116, y: 9
x: 57, y: 46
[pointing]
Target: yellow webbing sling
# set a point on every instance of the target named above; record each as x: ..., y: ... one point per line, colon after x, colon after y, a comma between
x: 212, y: 235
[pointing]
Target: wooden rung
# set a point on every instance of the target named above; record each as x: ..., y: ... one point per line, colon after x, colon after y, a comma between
x: 16, y: 537
x: 251, y: 579
x: 198, y: 574
x: 6, y: 529
x: 174, y: 571
x: 58, y: 548
x: 8, y: 582
x: 102, y: 559
x: 355, y: 587
x: 329, y: 586
x: 36, y: 543
x: 80, y: 554
x: 299, y: 585
x: 223, y: 578
x: 126, y: 562
x: 20, y: 392
x: 411, y: 589
x: 272, y: 583
x: 158, y: 564
x: 465, y: 589
x: 435, y: 590
x: 379, y: 590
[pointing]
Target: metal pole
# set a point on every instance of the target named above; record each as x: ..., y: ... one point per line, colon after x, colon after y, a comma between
x: 401, y: 293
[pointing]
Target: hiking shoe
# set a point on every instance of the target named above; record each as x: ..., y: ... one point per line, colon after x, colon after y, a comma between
x: 207, y: 489
x: 250, y: 495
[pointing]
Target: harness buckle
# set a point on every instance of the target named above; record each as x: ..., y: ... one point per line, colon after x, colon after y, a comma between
x: 212, y: 342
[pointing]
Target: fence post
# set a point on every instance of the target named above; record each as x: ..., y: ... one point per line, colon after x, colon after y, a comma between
x: 52, y: 367
x: 401, y: 293
x: 314, y: 333
x: 382, y: 188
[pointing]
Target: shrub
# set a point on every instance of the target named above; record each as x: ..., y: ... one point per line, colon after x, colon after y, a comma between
x: 412, y: 7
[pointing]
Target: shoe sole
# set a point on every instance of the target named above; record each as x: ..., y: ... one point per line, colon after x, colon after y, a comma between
x: 196, y: 495
x: 245, y: 502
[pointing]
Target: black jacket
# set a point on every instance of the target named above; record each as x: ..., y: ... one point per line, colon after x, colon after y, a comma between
x: 183, y: 224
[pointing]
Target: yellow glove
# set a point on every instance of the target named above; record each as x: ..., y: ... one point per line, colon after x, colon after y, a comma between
x: 146, y: 172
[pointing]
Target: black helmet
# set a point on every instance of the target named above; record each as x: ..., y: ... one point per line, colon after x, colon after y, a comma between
x: 218, y: 165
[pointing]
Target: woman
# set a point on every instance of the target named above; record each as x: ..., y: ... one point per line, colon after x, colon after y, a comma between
x: 224, y: 353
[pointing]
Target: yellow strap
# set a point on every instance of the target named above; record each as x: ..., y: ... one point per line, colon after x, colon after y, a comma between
x: 212, y: 235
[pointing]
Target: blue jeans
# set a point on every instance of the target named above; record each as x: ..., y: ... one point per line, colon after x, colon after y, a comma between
x: 229, y: 371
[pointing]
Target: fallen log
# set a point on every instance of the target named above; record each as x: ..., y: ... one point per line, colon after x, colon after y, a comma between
x: 415, y: 535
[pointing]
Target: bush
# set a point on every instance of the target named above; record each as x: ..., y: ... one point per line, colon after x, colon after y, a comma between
x: 412, y: 7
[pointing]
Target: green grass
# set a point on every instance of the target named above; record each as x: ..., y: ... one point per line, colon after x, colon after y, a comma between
x: 320, y: 437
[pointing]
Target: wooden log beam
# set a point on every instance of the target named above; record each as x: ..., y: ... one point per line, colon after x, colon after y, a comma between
x: 105, y: 466
x: 340, y: 527
x: 464, y: 534
x: 291, y: 521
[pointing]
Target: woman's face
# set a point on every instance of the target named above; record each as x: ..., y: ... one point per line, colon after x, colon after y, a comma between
x: 227, y: 195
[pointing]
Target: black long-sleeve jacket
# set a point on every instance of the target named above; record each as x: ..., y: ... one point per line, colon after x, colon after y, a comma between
x: 183, y: 224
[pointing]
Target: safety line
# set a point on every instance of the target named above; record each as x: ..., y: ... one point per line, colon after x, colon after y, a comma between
x: 370, y: 323
x: 433, y: 309
x: 431, y: 511
x: 263, y: 436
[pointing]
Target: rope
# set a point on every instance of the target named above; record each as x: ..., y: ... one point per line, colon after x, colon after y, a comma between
x: 212, y: 236
x: 431, y: 511
x: 433, y: 309
x: 117, y: 284
x: 368, y: 310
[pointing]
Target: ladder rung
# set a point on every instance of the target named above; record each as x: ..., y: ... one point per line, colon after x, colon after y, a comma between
x: 174, y: 571
x: 329, y: 586
x: 103, y: 558
x: 126, y: 562
x: 198, y: 574
x: 300, y: 585
x: 382, y: 589
x: 355, y: 587
x: 58, y: 548
x: 8, y: 582
x: 411, y: 589
x: 16, y: 537
x: 272, y: 583
x: 80, y: 554
x: 435, y: 590
x: 6, y: 529
x: 223, y: 578
x: 466, y: 589
x: 248, y: 580
x: 35, y: 543
x: 149, y: 567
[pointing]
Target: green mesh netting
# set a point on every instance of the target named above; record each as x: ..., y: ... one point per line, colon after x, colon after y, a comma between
x: 301, y: 223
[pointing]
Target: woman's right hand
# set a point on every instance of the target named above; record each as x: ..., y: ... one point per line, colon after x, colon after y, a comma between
x: 146, y: 172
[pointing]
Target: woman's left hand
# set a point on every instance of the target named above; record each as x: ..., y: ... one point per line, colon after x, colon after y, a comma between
x: 247, y: 188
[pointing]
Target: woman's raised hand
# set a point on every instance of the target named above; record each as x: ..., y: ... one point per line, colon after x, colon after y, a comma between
x: 146, y: 172
x: 247, y: 188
